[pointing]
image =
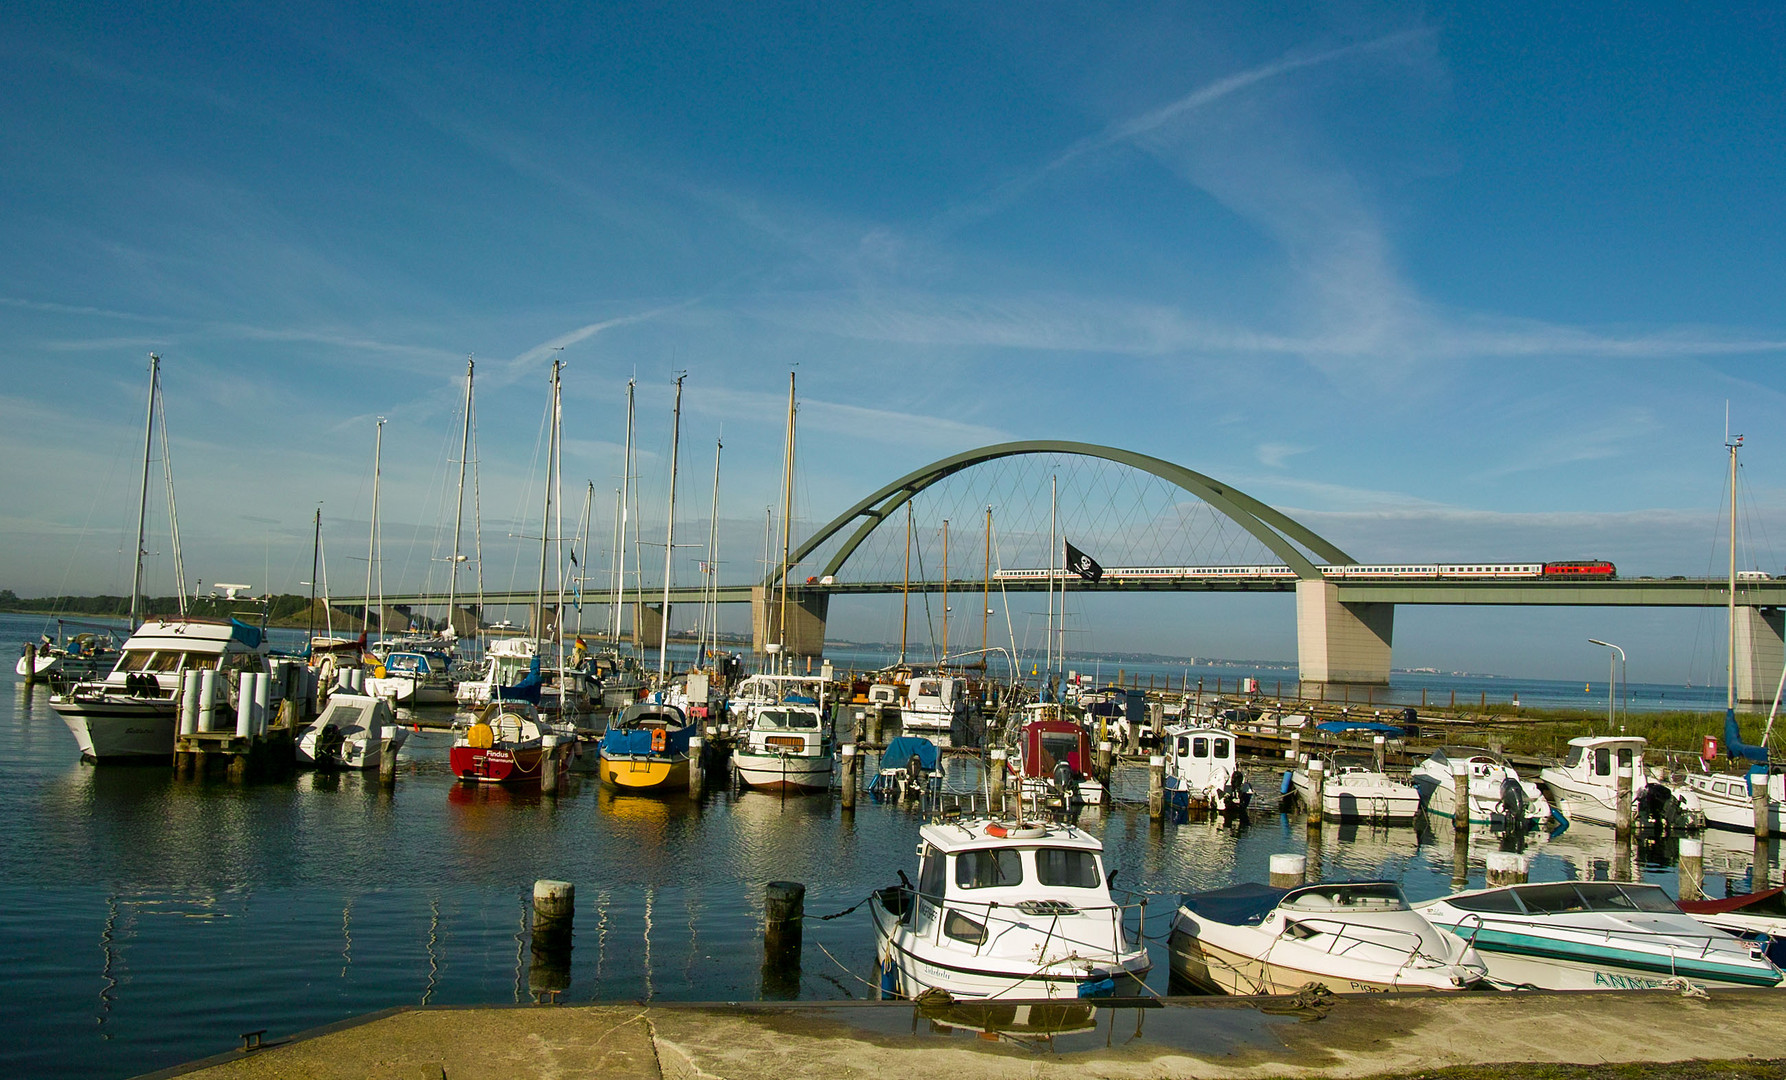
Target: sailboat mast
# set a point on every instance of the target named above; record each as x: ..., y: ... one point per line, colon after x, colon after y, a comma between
x: 459, y: 506
x: 583, y: 545
x: 614, y: 570
x: 709, y: 636
x: 787, y: 520
x: 315, y: 560
x: 539, y: 601
x: 626, y: 480
x: 142, y: 513
x: 372, y: 536
x: 663, y: 633
x: 557, y: 478
x: 945, y: 590
x: 986, y: 589
x: 905, y: 588
x: 1730, y: 653
x: 1053, y: 546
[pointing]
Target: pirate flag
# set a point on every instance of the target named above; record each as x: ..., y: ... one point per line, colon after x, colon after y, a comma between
x: 1082, y: 564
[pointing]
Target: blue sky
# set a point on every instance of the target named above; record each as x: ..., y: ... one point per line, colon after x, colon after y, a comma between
x: 1443, y: 282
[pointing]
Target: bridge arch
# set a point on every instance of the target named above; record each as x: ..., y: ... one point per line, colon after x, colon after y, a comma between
x: 1278, y: 532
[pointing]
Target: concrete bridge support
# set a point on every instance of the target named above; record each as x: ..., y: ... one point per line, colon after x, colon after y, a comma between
x: 465, y: 620
x: 805, y: 632
x: 1760, y: 653
x: 648, y: 625
x: 1338, y: 642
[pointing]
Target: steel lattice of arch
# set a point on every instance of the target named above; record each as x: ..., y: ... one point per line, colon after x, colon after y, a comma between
x: 1278, y: 532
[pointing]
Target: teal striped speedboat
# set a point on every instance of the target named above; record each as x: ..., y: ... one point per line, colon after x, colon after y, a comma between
x: 1595, y: 935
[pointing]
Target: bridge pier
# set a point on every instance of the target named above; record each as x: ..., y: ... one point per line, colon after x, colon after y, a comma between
x: 648, y: 625
x: 1760, y: 653
x: 805, y: 632
x: 1340, y: 642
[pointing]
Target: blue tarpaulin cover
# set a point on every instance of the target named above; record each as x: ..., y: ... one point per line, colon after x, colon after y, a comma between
x: 1236, y: 905
x: 1359, y: 725
x: 247, y: 635
x: 638, y: 741
x: 900, y: 751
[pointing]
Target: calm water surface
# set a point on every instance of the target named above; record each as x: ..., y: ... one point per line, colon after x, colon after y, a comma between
x: 145, y: 922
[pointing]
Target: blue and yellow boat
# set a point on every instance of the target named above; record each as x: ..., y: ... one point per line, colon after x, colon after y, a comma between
x: 645, y: 749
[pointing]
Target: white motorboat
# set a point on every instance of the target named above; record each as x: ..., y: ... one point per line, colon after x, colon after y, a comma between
x: 1585, y: 786
x: 81, y: 656
x: 132, y: 712
x: 1053, y: 759
x: 1203, y: 770
x: 1728, y: 800
x: 1595, y: 935
x: 1354, y: 790
x: 787, y: 745
x: 1007, y: 910
x: 413, y: 677
x: 911, y: 767
x: 933, y: 703
x: 508, y: 662
x: 351, y: 733
x: 1352, y: 937
x: 1497, y: 795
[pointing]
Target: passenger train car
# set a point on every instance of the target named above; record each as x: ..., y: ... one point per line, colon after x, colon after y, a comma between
x: 1598, y: 569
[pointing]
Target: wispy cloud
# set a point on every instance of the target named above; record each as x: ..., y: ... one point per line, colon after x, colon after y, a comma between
x: 1276, y: 455
x: 859, y: 422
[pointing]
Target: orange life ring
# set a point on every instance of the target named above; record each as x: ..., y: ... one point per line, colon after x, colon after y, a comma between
x: 660, y: 740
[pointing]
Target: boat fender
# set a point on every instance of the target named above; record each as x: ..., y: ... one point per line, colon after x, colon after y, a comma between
x: 1288, y: 784
x: 660, y: 740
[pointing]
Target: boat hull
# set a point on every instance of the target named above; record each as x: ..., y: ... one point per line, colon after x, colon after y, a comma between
x: 778, y: 772
x: 907, y: 970
x: 644, y: 772
x: 1551, y: 973
x: 123, y: 729
x: 1216, y: 969
x: 498, y: 765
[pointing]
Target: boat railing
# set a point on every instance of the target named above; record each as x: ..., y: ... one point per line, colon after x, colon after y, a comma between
x: 1669, y: 941
x: 1340, y: 937
x: 993, y: 912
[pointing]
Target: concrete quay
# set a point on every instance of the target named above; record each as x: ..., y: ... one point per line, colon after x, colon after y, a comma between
x: 1352, y: 1036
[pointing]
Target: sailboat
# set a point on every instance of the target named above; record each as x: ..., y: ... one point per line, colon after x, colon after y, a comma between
x: 131, y: 713
x: 1728, y: 799
x: 509, y: 742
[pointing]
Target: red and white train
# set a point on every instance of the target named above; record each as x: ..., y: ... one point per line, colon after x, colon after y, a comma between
x: 1598, y: 569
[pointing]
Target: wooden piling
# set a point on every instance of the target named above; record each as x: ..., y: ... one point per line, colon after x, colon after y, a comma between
x: 1460, y: 792
x: 996, y: 775
x: 1622, y: 802
x: 697, y: 767
x: 30, y: 659
x: 848, y: 788
x: 387, y: 762
x: 1506, y: 868
x: 1295, y: 754
x: 1690, y: 870
x: 1460, y: 858
x: 1758, y: 796
x: 1315, y: 783
x: 784, y: 913
x: 554, y: 916
x: 1287, y: 870
x: 1156, y: 787
x: 1104, y: 753
x: 1379, y: 751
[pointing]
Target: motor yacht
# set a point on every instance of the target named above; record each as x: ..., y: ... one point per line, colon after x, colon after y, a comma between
x: 1497, y: 795
x: 1203, y: 770
x: 1354, y: 790
x: 1585, y: 786
x: 1007, y: 910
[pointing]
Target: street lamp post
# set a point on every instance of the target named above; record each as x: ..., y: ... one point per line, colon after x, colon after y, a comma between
x: 1612, y: 678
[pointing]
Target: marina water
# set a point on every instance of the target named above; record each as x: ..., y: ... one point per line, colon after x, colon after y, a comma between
x: 148, y: 921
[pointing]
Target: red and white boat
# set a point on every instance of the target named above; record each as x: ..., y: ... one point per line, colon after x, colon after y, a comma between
x: 1053, y: 757
x: 508, y: 743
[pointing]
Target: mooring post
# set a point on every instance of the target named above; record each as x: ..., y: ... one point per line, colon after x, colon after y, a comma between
x: 1758, y: 796
x: 784, y: 913
x: 1156, y: 787
x: 191, y: 684
x: 554, y: 912
x: 697, y: 767
x: 1295, y: 754
x: 1690, y: 870
x: 1104, y: 749
x: 387, y: 762
x: 1311, y: 873
x: 1460, y: 796
x: 1506, y: 868
x: 207, y: 699
x: 1287, y: 870
x: 549, y: 766
x: 1762, y: 875
x: 30, y: 660
x: 996, y: 778
x: 1379, y: 751
x: 848, y: 783
x: 1622, y: 799
x: 1317, y: 793
x: 1460, y: 859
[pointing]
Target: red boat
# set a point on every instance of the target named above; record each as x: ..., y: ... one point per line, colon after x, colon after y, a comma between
x: 509, y: 744
x: 1054, y: 757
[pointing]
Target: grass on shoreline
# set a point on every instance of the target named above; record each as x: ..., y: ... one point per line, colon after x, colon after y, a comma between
x: 1548, y: 731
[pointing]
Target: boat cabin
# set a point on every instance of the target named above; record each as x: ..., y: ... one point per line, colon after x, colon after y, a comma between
x: 1046, y: 743
x: 162, y: 649
x: 971, y: 867
x: 1200, y: 758
x: 790, y: 726
x: 420, y: 665
x: 1595, y: 760
x: 935, y: 694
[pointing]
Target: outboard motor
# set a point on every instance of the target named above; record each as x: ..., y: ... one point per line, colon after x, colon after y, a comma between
x: 1513, y: 802
x: 1237, y: 794
x: 1064, y: 781
x: 1658, y: 806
